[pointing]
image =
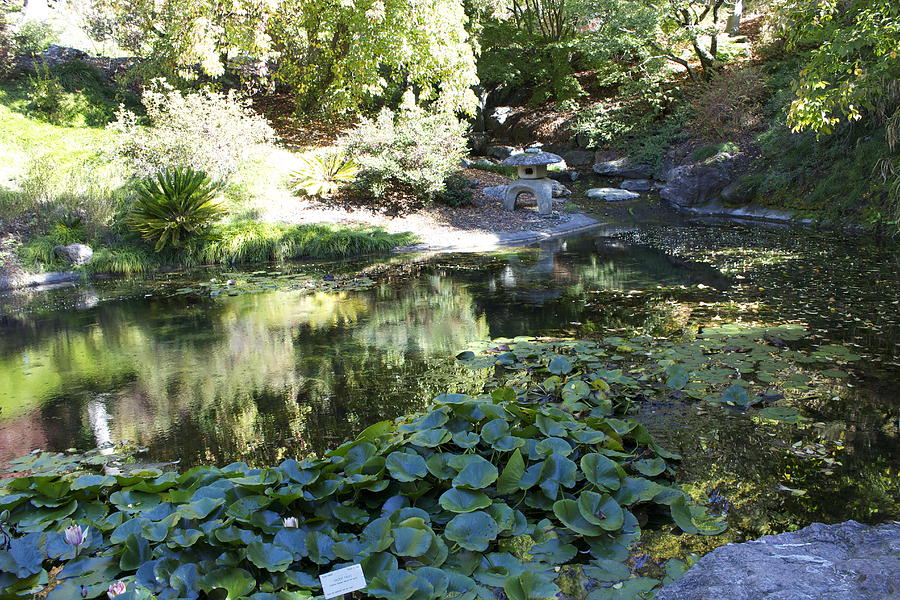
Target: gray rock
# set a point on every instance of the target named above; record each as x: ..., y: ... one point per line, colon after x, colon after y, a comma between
x: 497, y: 192
x: 623, y: 167
x: 560, y: 191
x: 75, y: 254
x: 611, y: 194
x: 848, y: 561
x: 637, y: 185
x: 694, y: 185
x: 578, y: 158
x: 564, y: 176
x: 502, y: 152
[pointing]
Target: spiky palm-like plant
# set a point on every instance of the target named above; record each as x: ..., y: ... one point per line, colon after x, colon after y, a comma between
x: 175, y: 205
x: 322, y: 174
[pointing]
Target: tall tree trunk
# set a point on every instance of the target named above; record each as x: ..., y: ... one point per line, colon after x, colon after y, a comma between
x: 734, y: 20
x: 707, y: 59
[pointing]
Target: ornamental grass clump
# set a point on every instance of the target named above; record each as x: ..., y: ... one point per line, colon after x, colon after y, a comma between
x: 428, y: 505
x: 174, y: 206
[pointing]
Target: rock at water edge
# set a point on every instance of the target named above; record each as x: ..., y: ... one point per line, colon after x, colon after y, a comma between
x: 637, y: 185
x: 611, y: 194
x: 847, y: 561
x: 74, y: 254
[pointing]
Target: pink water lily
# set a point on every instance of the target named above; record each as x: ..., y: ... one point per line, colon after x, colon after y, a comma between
x: 116, y: 589
x: 291, y: 522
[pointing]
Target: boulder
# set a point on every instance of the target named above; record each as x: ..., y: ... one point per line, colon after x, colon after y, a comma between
x: 611, y: 194
x: 694, y: 185
x: 637, y: 185
x: 578, y: 158
x: 74, y: 254
x: 623, y: 167
x: 564, y: 176
x: 560, y: 191
x: 847, y: 561
x: 502, y: 152
x: 739, y: 191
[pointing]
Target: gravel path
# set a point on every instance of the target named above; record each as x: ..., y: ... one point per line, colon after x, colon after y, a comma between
x: 483, y: 226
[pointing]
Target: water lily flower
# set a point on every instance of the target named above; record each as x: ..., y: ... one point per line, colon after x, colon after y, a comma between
x: 76, y: 536
x: 116, y: 589
x: 291, y: 522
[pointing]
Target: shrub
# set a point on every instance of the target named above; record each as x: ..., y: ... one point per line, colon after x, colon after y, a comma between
x: 206, y: 131
x: 729, y: 105
x: 7, y: 48
x: 708, y: 151
x: 84, y: 189
x: 405, y: 158
x: 457, y: 191
x: 323, y: 174
x: 49, y: 98
x: 33, y: 37
x: 174, y: 206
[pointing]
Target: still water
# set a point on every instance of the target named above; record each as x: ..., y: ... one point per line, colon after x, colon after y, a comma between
x: 260, y: 377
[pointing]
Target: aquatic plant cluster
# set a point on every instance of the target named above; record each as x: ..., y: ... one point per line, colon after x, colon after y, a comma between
x: 432, y: 506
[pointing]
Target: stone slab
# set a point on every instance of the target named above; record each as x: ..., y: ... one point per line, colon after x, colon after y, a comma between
x: 847, y: 561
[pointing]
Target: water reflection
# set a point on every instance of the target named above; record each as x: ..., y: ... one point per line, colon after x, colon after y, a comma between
x: 261, y: 376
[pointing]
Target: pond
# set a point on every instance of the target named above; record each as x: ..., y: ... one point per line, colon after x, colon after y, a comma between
x: 203, y: 372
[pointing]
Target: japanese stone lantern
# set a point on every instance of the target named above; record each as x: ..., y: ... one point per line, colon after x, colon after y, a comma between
x: 532, y: 167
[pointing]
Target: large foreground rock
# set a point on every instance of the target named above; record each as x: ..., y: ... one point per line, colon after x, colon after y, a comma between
x: 848, y: 561
x: 697, y: 184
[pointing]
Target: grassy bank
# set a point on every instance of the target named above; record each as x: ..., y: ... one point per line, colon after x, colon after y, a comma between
x: 231, y: 244
x: 61, y: 183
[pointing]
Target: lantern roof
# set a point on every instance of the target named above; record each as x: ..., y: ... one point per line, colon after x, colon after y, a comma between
x: 530, y: 158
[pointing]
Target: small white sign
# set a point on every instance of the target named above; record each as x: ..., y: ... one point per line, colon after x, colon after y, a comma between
x: 343, y: 581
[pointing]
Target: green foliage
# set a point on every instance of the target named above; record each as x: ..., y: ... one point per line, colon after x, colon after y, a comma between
x: 457, y: 191
x: 412, y: 150
x: 33, y: 37
x: 251, y: 241
x: 206, y: 130
x: 498, y: 168
x: 419, y: 511
x: 633, y: 128
x: 323, y: 174
x: 852, y: 67
x: 50, y: 99
x: 123, y: 260
x: 709, y: 150
x: 175, y: 206
x: 340, y: 58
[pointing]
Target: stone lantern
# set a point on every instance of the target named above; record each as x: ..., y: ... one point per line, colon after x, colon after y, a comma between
x: 532, y: 167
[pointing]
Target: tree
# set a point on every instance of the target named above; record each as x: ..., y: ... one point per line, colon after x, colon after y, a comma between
x: 176, y: 37
x: 852, y: 63
x: 341, y: 55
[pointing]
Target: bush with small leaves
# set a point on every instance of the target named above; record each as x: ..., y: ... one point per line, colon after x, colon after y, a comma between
x: 174, y: 206
x: 412, y: 151
x: 457, y: 191
x: 207, y: 131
